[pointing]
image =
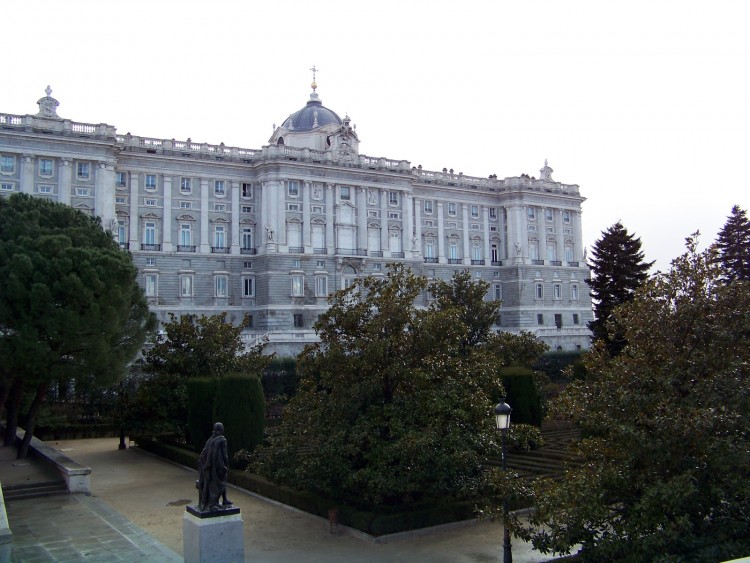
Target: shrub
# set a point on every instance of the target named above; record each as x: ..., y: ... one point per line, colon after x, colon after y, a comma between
x: 522, y: 395
x: 525, y: 437
x: 201, y: 393
x: 280, y: 378
x: 240, y: 406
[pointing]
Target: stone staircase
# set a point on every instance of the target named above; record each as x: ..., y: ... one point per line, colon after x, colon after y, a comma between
x: 550, y: 459
x: 22, y: 491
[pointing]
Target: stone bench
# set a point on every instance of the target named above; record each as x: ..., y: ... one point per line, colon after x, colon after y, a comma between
x: 77, y: 477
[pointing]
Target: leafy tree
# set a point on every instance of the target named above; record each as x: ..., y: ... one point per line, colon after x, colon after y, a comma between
x: 733, y: 244
x: 667, y: 424
x: 191, y: 347
x: 389, y: 407
x: 70, y: 307
x: 618, y: 271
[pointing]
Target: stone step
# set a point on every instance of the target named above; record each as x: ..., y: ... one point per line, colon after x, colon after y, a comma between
x: 34, y: 490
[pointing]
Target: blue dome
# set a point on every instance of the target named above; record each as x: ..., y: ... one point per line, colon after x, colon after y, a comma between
x: 305, y: 119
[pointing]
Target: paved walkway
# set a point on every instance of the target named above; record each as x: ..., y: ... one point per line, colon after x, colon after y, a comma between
x: 133, y: 491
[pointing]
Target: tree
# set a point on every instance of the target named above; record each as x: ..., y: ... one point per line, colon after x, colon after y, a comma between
x: 733, y: 244
x: 667, y: 423
x: 389, y: 408
x: 70, y: 307
x: 618, y: 271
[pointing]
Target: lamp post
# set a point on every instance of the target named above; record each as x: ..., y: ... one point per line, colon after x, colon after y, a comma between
x: 502, y: 421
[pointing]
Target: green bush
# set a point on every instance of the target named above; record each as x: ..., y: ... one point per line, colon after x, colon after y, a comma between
x: 280, y: 378
x: 201, y: 393
x: 522, y: 395
x: 240, y: 406
x: 525, y: 437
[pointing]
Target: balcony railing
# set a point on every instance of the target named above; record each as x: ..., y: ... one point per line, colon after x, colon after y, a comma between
x: 296, y: 249
x: 397, y: 254
x: 573, y: 264
x: 320, y: 251
x: 150, y: 247
x: 538, y: 262
x: 351, y: 251
x: 185, y: 248
x: 219, y: 250
x: 248, y: 251
x: 555, y: 262
x: 477, y: 262
x: 497, y: 263
x: 375, y: 253
x: 455, y: 261
x: 431, y: 260
x: 125, y: 245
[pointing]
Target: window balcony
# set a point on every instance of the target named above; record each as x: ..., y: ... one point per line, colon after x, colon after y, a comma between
x: 397, y: 254
x: 455, y: 261
x: 573, y: 264
x: 477, y: 262
x: 431, y: 260
x: 219, y: 250
x: 124, y: 245
x: 152, y: 247
x: 496, y: 263
x: 320, y: 251
x: 351, y: 251
x: 296, y: 249
x: 555, y: 262
x: 185, y: 248
x: 537, y: 262
x: 375, y: 253
x: 248, y: 251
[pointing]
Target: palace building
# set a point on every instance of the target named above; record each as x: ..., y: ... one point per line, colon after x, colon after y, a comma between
x: 267, y: 234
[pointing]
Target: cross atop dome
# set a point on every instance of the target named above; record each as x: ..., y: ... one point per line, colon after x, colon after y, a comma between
x: 314, y: 85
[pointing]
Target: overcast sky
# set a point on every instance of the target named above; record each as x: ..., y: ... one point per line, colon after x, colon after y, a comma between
x: 644, y: 105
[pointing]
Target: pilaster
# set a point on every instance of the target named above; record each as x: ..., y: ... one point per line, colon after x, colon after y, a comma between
x: 205, y: 236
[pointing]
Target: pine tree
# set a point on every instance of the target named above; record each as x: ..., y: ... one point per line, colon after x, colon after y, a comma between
x: 733, y: 244
x: 617, y: 270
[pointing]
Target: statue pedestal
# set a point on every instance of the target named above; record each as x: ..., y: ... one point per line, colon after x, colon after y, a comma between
x: 215, y: 537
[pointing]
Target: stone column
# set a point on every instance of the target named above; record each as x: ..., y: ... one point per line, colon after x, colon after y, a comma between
x: 234, y: 211
x: 575, y: 217
x: 384, y: 245
x: 280, y: 212
x: 502, y: 250
x: 330, y: 219
x: 541, y: 232
x: 27, y: 176
x: 66, y: 181
x: 104, y: 194
x: 306, y: 235
x: 486, y: 228
x: 361, y: 218
x: 418, y: 226
x: 169, y: 225
x: 465, y: 233
x: 408, y: 223
x: 135, y: 195
x: 560, y: 234
x: 261, y: 209
x: 441, y: 233
x: 205, y: 235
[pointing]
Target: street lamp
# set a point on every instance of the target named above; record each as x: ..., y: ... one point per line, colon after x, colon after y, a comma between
x: 502, y: 421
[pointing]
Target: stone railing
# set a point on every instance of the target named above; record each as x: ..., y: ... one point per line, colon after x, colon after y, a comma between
x: 33, y: 123
x: 460, y: 180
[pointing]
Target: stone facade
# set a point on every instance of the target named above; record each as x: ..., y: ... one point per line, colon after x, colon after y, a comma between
x: 266, y: 234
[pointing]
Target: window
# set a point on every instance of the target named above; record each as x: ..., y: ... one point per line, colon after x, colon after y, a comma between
x: 186, y: 205
x: 150, y: 181
x: 475, y: 227
x: 298, y: 320
x: 429, y: 248
x: 247, y: 265
x: 540, y: 319
x: 533, y: 251
x: 83, y: 192
x: 292, y: 207
x: 185, y: 185
x: 247, y: 208
x: 220, y: 206
x: 428, y: 207
x: 149, y: 201
x: 220, y: 286
x: 219, y: 238
x: 45, y: 169
x: 566, y: 216
x: 46, y: 190
x: 476, y: 250
x: 474, y: 211
x: 248, y: 321
x: 497, y: 291
x: 539, y: 290
x: 149, y: 282
x: 568, y: 254
x: 345, y: 193
x: 293, y: 188
x: 83, y: 170
x: 247, y: 238
x: 298, y: 285
x: 531, y: 213
x: 373, y: 214
x: 7, y: 164
x: 186, y: 285
x: 558, y: 320
x: 150, y: 261
x: 494, y: 253
x: 248, y: 287
x: 558, y: 291
x: 296, y: 263
x: 247, y: 190
x: 219, y: 188
x: 320, y: 264
x: 574, y: 292
x: 493, y: 212
x: 120, y: 179
x: 317, y: 209
x: 452, y: 209
x: 149, y: 232
x: 186, y: 235
x: 394, y: 215
x: 453, y: 250
x: 7, y: 187
x: 393, y: 198
x: 548, y: 215
x: 575, y: 319
x: 453, y: 225
x: 551, y: 250
x: 321, y: 286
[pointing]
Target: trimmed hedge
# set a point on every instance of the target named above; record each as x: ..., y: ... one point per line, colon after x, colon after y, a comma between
x: 240, y: 406
x: 522, y: 395
x: 201, y: 392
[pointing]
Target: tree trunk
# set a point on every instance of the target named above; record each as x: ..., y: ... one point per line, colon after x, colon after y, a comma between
x: 13, y: 405
x: 4, y: 392
x: 41, y: 395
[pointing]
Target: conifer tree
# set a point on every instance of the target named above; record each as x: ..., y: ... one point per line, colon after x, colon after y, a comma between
x: 617, y: 271
x: 733, y: 244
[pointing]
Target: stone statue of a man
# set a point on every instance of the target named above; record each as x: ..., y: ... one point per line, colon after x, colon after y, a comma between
x: 213, y: 466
